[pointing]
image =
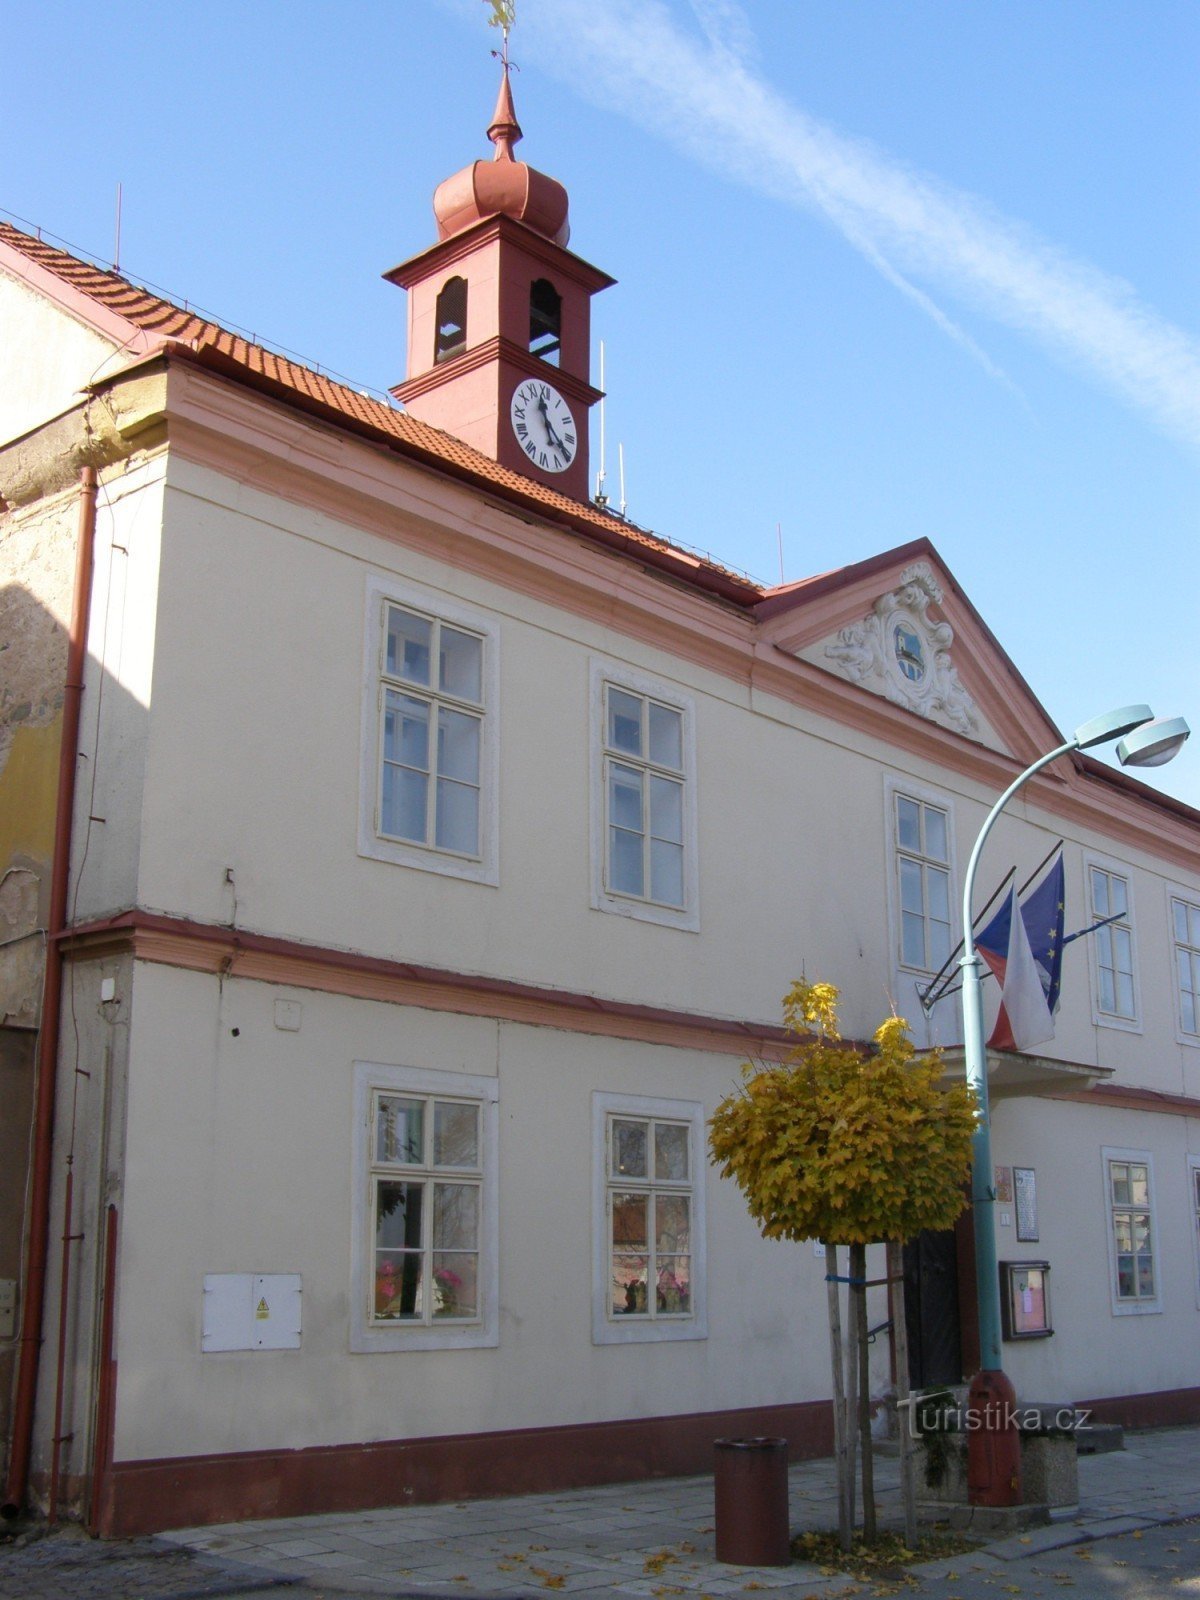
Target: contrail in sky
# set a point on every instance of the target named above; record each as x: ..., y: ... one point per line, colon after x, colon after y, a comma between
x: 703, y: 92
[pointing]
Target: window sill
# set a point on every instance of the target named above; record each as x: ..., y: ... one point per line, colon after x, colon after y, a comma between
x: 1103, y: 1019
x: 372, y: 848
x: 366, y: 1341
x: 646, y: 911
x: 649, y: 1332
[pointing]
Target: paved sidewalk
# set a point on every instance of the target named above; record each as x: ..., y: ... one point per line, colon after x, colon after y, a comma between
x: 656, y: 1537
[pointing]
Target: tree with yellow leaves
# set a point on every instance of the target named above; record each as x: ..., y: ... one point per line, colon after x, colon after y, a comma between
x: 852, y: 1146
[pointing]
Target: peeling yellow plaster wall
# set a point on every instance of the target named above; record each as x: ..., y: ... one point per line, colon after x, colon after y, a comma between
x: 37, y: 559
x: 28, y: 789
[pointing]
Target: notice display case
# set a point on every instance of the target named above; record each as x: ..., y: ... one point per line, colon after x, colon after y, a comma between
x: 1025, y: 1299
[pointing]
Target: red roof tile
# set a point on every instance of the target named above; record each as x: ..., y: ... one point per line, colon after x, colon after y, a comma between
x: 150, y: 313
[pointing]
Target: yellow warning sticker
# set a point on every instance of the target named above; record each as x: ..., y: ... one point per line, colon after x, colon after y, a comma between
x: 262, y: 1311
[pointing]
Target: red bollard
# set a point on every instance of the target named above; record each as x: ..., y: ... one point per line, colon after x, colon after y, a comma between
x: 993, y: 1443
x: 751, y: 1483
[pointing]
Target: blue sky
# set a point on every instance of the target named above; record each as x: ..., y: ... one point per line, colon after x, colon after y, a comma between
x: 885, y: 270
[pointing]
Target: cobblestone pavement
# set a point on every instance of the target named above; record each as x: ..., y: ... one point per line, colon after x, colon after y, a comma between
x: 67, y: 1565
x: 639, y: 1540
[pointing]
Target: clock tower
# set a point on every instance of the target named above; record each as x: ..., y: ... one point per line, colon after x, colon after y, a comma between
x: 499, y: 317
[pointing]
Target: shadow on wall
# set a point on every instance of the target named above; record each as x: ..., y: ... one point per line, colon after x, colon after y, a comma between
x: 33, y: 657
x: 34, y: 606
x: 32, y: 680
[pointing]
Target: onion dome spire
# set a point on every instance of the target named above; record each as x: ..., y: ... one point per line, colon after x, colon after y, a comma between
x: 503, y: 186
x: 505, y: 130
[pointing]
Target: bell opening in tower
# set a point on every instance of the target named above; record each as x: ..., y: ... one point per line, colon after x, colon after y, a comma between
x: 451, y: 337
x: 545, y: 321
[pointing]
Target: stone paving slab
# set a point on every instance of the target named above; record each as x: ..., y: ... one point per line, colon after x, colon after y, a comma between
x: 1038, y: 1541
x: 613, y: 1539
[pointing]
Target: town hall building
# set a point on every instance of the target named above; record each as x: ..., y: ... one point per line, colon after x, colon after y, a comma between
x: 391, y: 887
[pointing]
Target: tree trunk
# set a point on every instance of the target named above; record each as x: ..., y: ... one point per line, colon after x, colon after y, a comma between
x: 895, y: 1271
x: 852, y: 1309
x: 844, y: 1476
x: 858, y: 1271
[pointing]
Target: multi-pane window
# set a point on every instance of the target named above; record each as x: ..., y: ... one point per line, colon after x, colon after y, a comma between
x: 922, y: 848
x: 1132, y: 1230
x: 431, y: 706
x: 1185, y: 923
x: 1113, y: 943
x: 644, y: 797
x: 426, y: 1181
x: 649, y: 1205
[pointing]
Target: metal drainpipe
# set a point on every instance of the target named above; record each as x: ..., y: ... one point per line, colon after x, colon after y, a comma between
x: 38, y: 1233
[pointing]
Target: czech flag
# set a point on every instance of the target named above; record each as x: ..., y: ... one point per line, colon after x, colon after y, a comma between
x: 1022, y: 945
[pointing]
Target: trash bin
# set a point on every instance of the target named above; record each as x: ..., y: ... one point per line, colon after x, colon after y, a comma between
x: 751, y: 1483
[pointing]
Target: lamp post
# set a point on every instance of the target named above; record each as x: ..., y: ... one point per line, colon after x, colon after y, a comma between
x: 993, y: 1449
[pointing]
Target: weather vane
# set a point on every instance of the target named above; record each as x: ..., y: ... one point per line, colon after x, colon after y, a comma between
x: 504, y: 17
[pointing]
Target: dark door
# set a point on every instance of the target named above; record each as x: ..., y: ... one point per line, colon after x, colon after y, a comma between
x: 931, y: 1307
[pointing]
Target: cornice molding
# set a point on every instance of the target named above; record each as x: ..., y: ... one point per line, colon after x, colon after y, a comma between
x: 236, y: 953
x: 506, y: 231
x: 1129, y: 1098
x: 501, y: 352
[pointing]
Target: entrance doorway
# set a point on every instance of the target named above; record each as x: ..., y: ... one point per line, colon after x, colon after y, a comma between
x: 935, y: 1354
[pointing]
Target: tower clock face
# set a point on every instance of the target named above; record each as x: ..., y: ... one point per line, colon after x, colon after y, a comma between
x: 543, y: 425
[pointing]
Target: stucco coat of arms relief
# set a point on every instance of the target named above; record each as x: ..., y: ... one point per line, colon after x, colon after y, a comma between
x: 898, y: 650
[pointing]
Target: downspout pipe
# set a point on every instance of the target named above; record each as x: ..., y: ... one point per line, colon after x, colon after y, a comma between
x: 37, y: 1245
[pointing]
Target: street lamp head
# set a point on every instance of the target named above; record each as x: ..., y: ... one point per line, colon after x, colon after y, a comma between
x: 1154, y: 743
x: 1112, y: 725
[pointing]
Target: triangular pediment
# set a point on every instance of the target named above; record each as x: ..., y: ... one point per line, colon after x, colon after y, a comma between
x: 899, y: 627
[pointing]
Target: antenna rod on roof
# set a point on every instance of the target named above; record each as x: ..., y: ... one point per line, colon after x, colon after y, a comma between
x: 601, y: 497
x: 621, y: 465
x: 779, y: 536
x: 117, y: 240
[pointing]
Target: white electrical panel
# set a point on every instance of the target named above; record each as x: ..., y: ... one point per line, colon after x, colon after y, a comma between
x: 287, y: 1015
x: 251, y: 1311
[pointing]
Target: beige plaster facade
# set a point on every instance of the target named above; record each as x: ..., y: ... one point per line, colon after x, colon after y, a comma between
x: 246, y: 960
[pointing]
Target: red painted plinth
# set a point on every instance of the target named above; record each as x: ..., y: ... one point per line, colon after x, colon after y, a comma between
x: 993, y: 1445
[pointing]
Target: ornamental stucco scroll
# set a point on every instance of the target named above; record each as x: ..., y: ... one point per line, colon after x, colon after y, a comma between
x: 900, y: 651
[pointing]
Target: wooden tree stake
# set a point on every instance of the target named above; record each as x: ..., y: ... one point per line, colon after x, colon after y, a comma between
x: 895, y: 1267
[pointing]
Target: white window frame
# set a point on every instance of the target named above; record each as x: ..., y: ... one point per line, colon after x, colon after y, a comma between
x: 686, y: 916
x: 484, y: 867
x: 1122, y: 870
x: 1151, y: 1304
x: 1193, y: 1172
x: 366, y: 1335
x: 894, y: 789
x: 609, y: 1329
x: 1190, y: 898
